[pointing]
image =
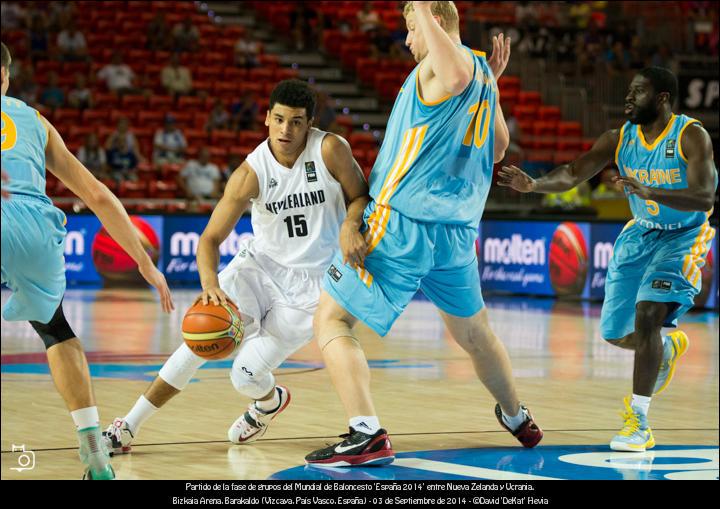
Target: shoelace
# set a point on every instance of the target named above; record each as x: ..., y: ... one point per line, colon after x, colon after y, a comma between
x: 248, y: 428
x: 632, y: 423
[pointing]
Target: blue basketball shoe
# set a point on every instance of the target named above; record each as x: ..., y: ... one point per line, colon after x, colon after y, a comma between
x: 636, y: 435
x: 674, y: 348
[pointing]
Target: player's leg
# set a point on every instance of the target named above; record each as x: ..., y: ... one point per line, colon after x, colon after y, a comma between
x: 284, y: 330
x: 400, y: 255
x: 456, y: 273
x: 71, y: 375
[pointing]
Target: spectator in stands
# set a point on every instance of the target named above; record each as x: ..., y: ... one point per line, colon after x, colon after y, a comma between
x: 80, y: 96
x: 200, y: 178
x: 368, y: 19
x: 169, y: 143
x: 71, y: 44
x: 617, y: 59
x: 123, y: 133
x: 122, y: 161
x: 176, y: 78
x: 27, y: 89
x: 185, y: 36
x: 382, y: 44
x: 663, y: 57
x: 325, y: 117
x: 52, y: 96
x: 219, y: 117
x: 38, y: 42
x: 246, y: 53
x: 92, y: 156
x: 233, y: 162
x: 301, y: 26
x: 118, y: 76
x: 61, y: 14
x: 12, y: 15
x: 526, y: 14
x: 244, y: 112
x: 158, y: 33
x: 638, y: 58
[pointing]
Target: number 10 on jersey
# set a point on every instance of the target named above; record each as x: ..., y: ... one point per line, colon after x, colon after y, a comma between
x: 477, y: 130
x: 296, y: 226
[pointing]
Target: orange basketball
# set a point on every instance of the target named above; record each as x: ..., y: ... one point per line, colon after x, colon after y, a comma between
x: 212, y: 332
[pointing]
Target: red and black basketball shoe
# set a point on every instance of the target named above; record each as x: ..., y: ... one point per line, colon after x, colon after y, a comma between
x: 528, y: 433
x: 356, y: 449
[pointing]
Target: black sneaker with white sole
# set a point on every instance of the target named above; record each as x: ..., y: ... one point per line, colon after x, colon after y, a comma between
x: 356, y: 449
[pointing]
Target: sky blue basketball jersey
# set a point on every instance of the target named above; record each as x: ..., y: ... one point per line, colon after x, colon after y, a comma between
x: 662, y: 165
x: 436, y: 162
x: 24, y: 139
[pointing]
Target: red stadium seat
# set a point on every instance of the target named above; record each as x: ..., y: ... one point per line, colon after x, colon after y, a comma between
x: 150, y: 118
x: 170, y: 171
x: 96, y: 117
x: 528, y: 98
x: 253, y: 138
x: 66, y: 116
x: 208, y: 73
x: 105, y: 100
x: 224, y: 138
x: 147, y: 172
x: 549, y: 113
x: 234, y: 74
x: 544, y: 128
x: 200, y: 119
x: 269, y: 61
x: 184, y: 119
x: 137, y: 189
x: 196, y: 137
x: 133, y: 102
x: 569, y: 129
x: 363, y: 140
x: 190, y: 103
x: 525, y: 112
x: 161, y: 102
x: 570, y: 144
x: 166, y: 189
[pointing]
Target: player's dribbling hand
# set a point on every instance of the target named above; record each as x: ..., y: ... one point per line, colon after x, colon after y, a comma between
x: 352, y: 245
x: 153, y: 276
x: 214, y: 295
x: 500, y: 55
x: 632, y: 186
x: 515, y: 178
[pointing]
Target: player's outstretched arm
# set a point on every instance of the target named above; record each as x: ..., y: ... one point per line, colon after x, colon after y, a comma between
x: 450, y: 63
x: 241, y: 188
x: 63, y: 164
x: 567, y: 176
x: 699, y: 195
x: 338, y: 158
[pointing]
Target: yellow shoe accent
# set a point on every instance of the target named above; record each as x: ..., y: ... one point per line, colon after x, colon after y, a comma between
x: 680, y: 345
x: 635, y: 436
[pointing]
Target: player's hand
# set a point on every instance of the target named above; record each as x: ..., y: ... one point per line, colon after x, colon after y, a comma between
x: 153, y: 276
x: 515, y: 178
x: 632, y: 186
x: 5, y: 193
x: 352, y: 245
x: 500, y: 55
x: 215, y: 295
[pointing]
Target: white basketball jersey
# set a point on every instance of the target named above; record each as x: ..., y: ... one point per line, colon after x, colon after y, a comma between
x: 297, y: 215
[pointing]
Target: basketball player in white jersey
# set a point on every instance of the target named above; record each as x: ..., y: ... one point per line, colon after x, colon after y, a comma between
x: 299, y: 182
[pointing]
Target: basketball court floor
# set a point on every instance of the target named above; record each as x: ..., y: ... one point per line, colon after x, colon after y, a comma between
x: 439, y: 416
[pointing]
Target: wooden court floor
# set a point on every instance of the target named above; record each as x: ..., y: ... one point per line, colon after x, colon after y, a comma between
x: 423, y: 384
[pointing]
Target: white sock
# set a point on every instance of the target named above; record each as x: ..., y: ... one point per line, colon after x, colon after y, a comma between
x: 269, y: 405
x: 514, y: 422
x: 140, y: 413
x: 86, y: 418
x: 642, y: 403
x: 368, y: 424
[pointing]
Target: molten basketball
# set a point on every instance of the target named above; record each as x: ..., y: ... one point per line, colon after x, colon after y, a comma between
x: 113, y: 263
x: 568, y: 260
x: 212, y: 332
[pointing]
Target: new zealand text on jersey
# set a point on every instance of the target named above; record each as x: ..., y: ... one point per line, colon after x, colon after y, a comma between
x: 296, y: 200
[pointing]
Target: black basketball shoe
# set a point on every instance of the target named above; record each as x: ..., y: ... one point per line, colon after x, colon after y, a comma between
x: 356, y: 449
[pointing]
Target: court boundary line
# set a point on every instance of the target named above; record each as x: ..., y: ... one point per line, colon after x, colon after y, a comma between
x: 292, y: 439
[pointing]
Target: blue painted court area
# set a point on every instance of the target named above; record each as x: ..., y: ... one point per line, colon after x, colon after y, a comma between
x: 676, y: 462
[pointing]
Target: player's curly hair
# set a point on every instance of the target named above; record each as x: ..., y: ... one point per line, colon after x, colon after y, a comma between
x: 295, y: 94
x: 662, y: 80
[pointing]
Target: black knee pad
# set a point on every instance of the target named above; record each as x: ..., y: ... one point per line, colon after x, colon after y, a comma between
x: 56, y: 330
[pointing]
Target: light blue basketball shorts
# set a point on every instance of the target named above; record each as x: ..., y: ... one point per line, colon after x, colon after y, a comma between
x: 33, y: 261
x: 406, y: 256
x: 653, y: 266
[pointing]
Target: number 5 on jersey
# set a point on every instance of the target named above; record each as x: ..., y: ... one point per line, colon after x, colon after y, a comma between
x: 296, y: 226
